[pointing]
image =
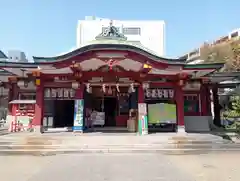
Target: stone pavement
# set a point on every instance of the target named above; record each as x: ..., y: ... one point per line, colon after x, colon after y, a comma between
x: 100, y: 167
x: 3, y: 131
x: 21, y: 168
x: 116, y: 167
x: 209, y: 167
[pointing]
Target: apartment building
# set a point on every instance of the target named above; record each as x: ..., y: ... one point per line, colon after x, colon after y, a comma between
x: 194, y: 56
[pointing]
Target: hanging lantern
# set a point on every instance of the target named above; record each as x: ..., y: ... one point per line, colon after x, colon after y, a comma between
x: 104, y: 88
x: 75, y: 85
x: 181, y: 82
x: 145, y: 86
x: 89, y: 89
x: 132, y: 87
x: 38, y: 81
x: 21, y: 83
x: 117, y: 87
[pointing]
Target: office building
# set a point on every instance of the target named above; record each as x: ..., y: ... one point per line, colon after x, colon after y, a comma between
x: 16, y: 56
x: 151, y: 34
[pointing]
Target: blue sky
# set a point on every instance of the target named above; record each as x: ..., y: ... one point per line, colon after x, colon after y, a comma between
x: 48, y: 27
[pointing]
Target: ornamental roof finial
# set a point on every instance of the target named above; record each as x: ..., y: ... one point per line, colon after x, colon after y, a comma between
x: 111, y: 32
x: 111, y: 23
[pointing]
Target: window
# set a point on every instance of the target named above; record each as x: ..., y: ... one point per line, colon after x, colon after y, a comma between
x: 191, y: 104
x: 131, y: 31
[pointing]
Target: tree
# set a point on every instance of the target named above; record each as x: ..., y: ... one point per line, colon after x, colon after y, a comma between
x: 233, y: 113
x: 233, y: 59
x: 228, y: 53
x: 234, y: 110
x: 215, y: 53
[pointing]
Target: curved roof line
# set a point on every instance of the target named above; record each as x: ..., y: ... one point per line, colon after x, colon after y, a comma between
x: 111, y: 45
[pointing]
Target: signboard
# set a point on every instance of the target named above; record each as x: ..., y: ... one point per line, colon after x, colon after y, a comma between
x: 59, y: 93
x: 142, y: 119
x: 162, y: 113
x: 151, y: 94
x: 98, y: 118
x: 78, y: 115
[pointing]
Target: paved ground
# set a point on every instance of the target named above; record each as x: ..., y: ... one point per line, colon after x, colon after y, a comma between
x: 210, y: 167
x: 94, y: 167
x: 116, y: 167
x: 207, y: 166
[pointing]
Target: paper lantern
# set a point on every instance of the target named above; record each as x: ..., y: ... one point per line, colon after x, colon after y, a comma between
x: 75, y: 85
x: 20, y: 83
x: 38, y: 82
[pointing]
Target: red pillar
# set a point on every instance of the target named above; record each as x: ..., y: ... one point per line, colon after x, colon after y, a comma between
x: 12, y: 95
x: 37, y: 119
x: 140, y: 94
x: 79, y: 124
x: 179, y: 97
x: 79, y: 92
x: 203, y: 99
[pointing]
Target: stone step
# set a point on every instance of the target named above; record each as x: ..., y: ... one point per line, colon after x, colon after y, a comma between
x: 49, y: 152
x: 16, y: 146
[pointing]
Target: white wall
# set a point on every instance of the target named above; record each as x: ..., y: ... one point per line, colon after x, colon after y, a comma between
x: 152, y: 32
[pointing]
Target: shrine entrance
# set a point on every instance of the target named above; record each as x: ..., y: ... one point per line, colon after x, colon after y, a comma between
x: 58, y: 113
x: 106, y: 108
x: 110, y: 105
x: 63, y: 114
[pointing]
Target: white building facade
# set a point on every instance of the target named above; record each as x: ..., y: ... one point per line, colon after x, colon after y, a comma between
x: 16, y: 56
x: 150, y: 34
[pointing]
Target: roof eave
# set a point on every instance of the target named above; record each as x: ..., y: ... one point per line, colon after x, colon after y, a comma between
x: 204, y: 66
x: 91, y: 47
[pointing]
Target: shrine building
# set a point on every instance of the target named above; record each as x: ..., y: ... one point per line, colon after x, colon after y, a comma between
x: 110, y: 83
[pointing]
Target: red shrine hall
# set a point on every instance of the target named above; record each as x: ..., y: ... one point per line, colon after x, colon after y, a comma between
x: 110, y: 84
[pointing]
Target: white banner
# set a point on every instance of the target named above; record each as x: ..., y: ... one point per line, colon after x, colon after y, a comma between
x: 159, y: 94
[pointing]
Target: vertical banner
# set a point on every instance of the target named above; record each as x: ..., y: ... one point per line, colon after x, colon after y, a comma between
x: 78, y: 115
x: 142, y: 119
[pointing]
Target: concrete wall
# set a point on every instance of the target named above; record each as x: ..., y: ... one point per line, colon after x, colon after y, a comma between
x: 197, y: 123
